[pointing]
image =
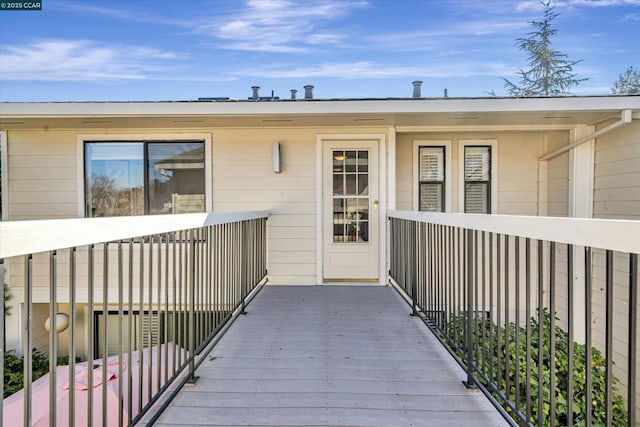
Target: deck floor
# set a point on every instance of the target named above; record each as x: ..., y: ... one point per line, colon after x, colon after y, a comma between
x: 329, y: 355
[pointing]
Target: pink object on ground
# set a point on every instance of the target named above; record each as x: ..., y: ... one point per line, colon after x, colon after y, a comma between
x: 13, y: 406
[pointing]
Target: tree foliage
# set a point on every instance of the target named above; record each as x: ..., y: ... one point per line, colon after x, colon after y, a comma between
x: 627, y: 83
x: 14, y: 369
x: 550, y: 72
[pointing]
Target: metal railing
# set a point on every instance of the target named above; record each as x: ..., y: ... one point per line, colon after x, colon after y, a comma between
x: 541, y: 312
x: 143, y: 297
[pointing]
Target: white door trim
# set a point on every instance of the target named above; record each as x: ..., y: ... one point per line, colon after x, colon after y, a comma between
x: 382, y: 191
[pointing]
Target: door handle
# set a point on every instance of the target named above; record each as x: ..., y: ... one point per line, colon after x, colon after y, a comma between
x: 375, y: 205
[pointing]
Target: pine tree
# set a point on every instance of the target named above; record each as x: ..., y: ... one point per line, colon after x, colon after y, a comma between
x: 550, y: 72
x: 627, y: 83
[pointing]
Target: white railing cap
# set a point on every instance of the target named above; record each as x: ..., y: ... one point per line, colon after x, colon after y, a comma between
x: 613, y: 234
x: 27, y: 237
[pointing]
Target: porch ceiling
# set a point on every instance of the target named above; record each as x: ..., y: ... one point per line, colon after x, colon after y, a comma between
x: 406, y: 115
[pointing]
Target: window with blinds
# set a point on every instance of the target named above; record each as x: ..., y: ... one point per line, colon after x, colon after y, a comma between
x: 431, y: 178
x: 147, y: 330
x: 477, y: 179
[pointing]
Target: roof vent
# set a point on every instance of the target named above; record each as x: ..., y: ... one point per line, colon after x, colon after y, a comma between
x: 308, y: 92
x: 256, y: 93
x: 293, y: 94
x: 417, y: 85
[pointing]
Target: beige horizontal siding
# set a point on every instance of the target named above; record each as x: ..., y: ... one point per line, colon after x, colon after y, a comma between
x: 617, y: 174
x: 243, y: 179
x: 42, y: 170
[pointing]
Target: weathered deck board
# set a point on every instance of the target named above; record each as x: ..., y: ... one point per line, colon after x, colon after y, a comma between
x: 339, y: 356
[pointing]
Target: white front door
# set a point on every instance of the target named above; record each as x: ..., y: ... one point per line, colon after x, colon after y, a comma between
x: 350, y: 210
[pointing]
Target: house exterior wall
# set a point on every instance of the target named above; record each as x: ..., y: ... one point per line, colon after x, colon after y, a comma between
x: 616, y: 196
x: 45, y: 182
x: 243, y: 179
x: 617, y: 174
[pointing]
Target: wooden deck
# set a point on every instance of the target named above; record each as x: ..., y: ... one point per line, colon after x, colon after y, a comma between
x: 329, y: 355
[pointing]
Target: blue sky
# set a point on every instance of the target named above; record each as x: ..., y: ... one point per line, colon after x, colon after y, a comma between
x: 142, y: 50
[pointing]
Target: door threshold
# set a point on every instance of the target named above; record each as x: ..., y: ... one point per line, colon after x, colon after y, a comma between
x: 350, y: 282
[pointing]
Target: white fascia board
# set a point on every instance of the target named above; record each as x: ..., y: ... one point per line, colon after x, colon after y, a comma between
x: 382, y: 106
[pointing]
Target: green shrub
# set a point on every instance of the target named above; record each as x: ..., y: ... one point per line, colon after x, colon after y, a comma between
x: 14, y: 369
x: 487, y: 347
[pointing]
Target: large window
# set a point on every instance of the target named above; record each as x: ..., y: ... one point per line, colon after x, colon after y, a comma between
x: 431, y: 176
x: 138, y: 178
x: 477, y: 179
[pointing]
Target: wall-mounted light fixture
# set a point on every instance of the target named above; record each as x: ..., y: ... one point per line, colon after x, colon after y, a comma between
x: 277, y: 159
x: 62, y: 322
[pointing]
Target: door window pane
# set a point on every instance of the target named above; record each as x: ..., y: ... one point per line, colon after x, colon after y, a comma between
x: 350, y: 181
x: 363, y: 184
x: 338, y: 183
x: 363, y: 161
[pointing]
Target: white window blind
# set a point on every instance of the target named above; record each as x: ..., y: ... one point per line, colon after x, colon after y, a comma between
x: 477, y: 178
x: 431, y: 178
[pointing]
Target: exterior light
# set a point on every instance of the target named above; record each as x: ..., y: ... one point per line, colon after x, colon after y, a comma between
x: 62, y: 322
x: 277, y: 161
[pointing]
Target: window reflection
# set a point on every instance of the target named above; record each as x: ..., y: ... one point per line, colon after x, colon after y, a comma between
x: 116, y: 185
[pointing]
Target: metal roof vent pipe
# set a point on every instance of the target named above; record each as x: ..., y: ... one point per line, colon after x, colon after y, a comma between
x: 293, y: 94
x: 308, y: 92
x: 256, y: 93
x: 417, y: 86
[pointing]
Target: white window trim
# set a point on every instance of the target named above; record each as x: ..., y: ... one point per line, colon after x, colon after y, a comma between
x: 493, y: 143
x: 448, y: 194
x: 206, y: 137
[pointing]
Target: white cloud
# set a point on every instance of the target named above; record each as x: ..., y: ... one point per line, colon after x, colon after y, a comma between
x: 130, y: 14
x: 79, y: 60
x: 602, y: 3
x: 535, y: 5
x: 373, y: 70
x: 280, y: 25
x: 466, y: 35
x: 631, y: 17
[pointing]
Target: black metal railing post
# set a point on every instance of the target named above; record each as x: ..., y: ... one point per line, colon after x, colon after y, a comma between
x: 470, y: 381
x: 192, y: 308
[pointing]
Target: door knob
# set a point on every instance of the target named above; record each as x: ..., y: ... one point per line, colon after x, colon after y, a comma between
x: 375, y: 205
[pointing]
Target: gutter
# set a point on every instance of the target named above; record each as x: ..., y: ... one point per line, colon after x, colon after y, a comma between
x: 626, y: 118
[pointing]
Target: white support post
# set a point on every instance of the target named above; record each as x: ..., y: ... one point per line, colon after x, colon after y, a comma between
x: 581, y: 172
